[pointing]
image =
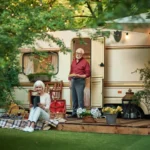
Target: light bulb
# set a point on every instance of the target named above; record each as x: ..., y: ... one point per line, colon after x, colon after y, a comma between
x: 127, y: 35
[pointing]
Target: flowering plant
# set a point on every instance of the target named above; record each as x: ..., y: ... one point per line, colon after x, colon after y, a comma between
x: 94, y: 112
x: 111, y: 110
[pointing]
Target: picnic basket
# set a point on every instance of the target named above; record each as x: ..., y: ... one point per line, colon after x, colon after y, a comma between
x: 16, y: 110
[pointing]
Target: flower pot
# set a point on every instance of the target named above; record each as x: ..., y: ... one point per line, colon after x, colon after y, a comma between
x: 34, y: 78
x: 88, y: 119
x: 111, y: 118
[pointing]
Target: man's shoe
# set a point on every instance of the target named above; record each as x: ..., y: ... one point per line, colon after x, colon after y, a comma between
x: 72, y: 116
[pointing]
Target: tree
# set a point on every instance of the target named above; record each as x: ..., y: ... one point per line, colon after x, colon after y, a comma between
x: 24, y: 21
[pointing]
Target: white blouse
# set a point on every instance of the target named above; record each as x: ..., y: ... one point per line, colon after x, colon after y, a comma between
x: 45, y: 100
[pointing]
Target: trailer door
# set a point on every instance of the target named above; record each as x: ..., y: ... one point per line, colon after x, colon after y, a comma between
x: 94, y: 53
x: 84, y: 43
x: 97, y: 71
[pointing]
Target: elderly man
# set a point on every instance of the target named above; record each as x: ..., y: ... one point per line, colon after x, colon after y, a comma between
x: 79, y: 71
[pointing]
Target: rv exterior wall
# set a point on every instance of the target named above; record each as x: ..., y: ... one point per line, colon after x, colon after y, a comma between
x: 121, y: 59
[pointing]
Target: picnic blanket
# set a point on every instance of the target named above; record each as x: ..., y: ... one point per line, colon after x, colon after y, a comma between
x: 21, y: 124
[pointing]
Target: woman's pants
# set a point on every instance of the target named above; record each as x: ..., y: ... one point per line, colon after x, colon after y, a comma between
x: 38, y: 113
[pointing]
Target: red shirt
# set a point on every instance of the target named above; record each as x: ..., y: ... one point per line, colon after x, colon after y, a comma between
x: 82, y: 67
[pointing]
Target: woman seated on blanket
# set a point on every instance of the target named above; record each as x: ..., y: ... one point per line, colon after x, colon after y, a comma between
x: 40, y: 112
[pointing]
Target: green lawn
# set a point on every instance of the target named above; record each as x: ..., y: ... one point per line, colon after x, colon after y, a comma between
x: 12, y: 139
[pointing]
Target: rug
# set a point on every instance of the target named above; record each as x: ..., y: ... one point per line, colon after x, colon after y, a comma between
x: 21, y: 124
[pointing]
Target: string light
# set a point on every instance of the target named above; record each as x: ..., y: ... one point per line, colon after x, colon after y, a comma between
x: 127, y: 35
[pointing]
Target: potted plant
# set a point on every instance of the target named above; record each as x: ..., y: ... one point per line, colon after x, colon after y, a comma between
x: 43, y: 67
x: 40, y: 76
x: 44, y: 75
x: 111, y: 114
x: 88, y: 116
x: 144, y: 95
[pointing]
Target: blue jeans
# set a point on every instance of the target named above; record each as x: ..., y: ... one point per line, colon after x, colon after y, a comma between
x: 77, y: 88
x: 38, y: 113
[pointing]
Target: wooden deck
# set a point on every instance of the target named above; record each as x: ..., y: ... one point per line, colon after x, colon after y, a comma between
x: 123, y: 126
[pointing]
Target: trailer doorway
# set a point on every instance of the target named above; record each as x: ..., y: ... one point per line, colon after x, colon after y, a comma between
x: 94, y: 53
x: 84, y: 43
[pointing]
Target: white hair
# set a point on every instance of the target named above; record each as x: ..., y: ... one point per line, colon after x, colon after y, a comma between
x: 39, y: 83
x: 80, y: 50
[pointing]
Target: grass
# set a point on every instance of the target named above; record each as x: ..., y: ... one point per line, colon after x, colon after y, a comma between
x: 59, y: 140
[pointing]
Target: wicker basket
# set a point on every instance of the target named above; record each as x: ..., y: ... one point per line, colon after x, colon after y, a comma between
x: 17, y: 110
x: 57, y: 115
x: 58, y: 109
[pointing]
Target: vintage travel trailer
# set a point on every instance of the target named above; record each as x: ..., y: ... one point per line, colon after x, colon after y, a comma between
x: 113, y: 64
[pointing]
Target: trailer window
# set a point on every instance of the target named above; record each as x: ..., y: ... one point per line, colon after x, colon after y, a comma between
x: 40, y: 62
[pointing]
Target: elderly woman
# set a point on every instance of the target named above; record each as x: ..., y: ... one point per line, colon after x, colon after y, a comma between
x: 40, y: 112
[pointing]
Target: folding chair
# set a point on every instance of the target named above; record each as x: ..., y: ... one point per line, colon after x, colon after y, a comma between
x: 56, y: 91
